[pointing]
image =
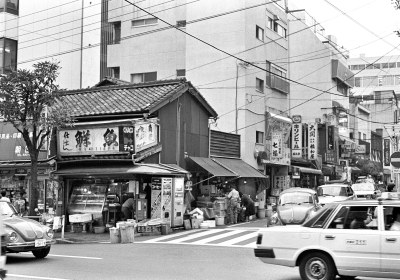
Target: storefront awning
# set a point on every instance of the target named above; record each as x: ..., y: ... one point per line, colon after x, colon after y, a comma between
x: 241, y: 168
x: 212, y: 167
x: 228, y: 167
x: 308, y: 170
x: 146, y: 169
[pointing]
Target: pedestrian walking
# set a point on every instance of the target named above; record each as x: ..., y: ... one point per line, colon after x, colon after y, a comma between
x: 3, y: 196
x: 248, y: 203
x: 391, y: 186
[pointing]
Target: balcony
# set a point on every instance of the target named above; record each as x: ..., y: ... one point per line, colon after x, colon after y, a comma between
x: 280, y: 84
x: 342, y: 73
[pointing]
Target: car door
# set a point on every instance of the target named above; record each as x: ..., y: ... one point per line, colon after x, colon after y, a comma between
x: 390, y: 240
x: 354, y: 246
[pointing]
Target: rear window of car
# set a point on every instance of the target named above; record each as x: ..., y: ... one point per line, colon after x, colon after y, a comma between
x: 363, y: 187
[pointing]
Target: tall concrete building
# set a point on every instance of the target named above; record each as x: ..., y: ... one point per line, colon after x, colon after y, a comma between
x: 9, y: 13
x: 377, y: 89
x: 230, y: 50
x: 56, y: 30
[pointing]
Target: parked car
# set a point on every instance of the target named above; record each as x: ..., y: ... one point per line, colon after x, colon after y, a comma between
x: 334, y: 192
x: 350, y: 238
x: 365, y: 190
x: 294, y: 206
x: 23, y: 234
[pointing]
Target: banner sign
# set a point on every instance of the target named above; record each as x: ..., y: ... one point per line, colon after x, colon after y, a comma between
x: 312, y: 141
x: 297, y: 143
x: 386, y: 152
x: 276, y: 145
x: 331, y: 138
x: 96, y: 140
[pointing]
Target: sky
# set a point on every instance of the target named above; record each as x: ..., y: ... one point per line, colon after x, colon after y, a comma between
x: 360, y: 26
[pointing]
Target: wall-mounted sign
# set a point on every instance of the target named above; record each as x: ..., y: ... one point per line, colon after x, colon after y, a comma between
x: 146, y: 135
x: 331, y: 138
x: 297, y: 143
x: 312, y: 141
x: 96, y: 140
x: 276, y: 145
x: 360, y: 149
x: 296, y: 119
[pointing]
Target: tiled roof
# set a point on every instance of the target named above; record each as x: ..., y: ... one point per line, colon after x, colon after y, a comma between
x: 107, y: 81
x: 121, y: 99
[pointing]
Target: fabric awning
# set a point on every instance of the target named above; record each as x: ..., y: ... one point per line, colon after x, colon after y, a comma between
x: 241, y: 168
x: 213, y: 167
x: 228, y: 167
x: 147, y: 169
x: 308, y: 170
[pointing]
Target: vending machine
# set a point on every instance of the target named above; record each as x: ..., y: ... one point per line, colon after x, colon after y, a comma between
x: 167, y: 200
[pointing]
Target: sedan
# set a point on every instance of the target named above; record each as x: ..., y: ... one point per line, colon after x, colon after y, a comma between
x: 334, y: 192
x: 23, y: 234
x: 350, y: 238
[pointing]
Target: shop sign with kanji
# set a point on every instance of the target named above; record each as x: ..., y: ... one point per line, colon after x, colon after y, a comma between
x: 85, y: 140
x: 312, y: 141
x: 297, y: 130
x: 276, y: 145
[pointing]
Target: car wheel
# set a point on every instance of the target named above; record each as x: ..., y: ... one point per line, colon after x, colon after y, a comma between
x: 42, y: 253
x: 317, y: 266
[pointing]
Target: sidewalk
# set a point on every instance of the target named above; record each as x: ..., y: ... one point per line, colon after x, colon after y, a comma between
x: 80, y: 238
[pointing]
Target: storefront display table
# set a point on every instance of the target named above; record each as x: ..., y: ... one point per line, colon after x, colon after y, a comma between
x: 82, y: 227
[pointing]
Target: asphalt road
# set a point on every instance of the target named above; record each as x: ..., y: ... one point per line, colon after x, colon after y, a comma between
x: 145, y: 261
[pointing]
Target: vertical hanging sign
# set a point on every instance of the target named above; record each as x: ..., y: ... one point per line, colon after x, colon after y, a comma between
x: 312, y: 141
x: 276, y: 145
x: 297, y: 132
x: 386, y: 152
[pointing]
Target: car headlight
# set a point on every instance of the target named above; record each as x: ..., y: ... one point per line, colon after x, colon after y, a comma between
x: 13, y: 236
x: 50, y: 233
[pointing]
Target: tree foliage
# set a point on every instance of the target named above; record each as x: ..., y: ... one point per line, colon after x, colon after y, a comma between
x: 29, y: 101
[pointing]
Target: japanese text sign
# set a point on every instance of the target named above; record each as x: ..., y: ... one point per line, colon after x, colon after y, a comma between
x: 297, y: 143
x: 276, y: 145
x: 312, y: 141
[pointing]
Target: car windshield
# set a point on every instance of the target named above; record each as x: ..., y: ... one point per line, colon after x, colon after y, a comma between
x: 295, y: 198
x: 7, y: 209
x: 332, y: 191
x: 363, y: 187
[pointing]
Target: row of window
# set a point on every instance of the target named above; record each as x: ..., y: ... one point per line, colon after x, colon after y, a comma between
x: 273, y: 25
x: 143, y: 77
x: 371, y: 81
x: 9, y: 6
x: 386, y: 65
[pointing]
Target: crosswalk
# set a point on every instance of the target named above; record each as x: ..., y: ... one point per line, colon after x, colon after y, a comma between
x: 228, y: 237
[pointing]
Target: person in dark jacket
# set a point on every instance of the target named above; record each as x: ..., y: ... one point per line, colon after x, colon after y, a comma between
x: 248, y: 203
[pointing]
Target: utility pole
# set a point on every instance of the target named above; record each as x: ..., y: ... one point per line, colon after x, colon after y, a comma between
x: 81, y: 62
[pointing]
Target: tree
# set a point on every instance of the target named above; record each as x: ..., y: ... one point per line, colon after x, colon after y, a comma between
x: 27, y: 101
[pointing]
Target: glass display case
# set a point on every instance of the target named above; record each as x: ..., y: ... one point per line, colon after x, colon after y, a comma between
x: 87, y: 198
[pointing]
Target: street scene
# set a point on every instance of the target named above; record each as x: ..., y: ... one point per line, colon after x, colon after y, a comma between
x: 200, y: 139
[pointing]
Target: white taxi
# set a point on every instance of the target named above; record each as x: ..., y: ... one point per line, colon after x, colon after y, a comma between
x: 350, y: 238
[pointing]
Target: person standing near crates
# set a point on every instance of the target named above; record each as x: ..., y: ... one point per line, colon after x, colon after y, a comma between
x: 233, y: 204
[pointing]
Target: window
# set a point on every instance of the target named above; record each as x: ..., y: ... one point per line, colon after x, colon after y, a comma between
x: 385, y: 65
x: 357, y: 82
x: 377, y: 66
x: 143, y: 77
x: 398, y: 64
x: 259, y: 33
x: 8, y: 55
x: 356, y: 217
x: 392, y: 217
x: 341, y: 87
x: 9, y: 6
x: 181, y: 72
x: 143, y: 22
x: 259, y: 85
x: 181, y: 23
x: 259, y: 137
x: 115, y: 72
x: 392, y: 65
x: 364, y: 136
x: 275, y: 26
x: 116, y: 32
x: 359, y: 135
